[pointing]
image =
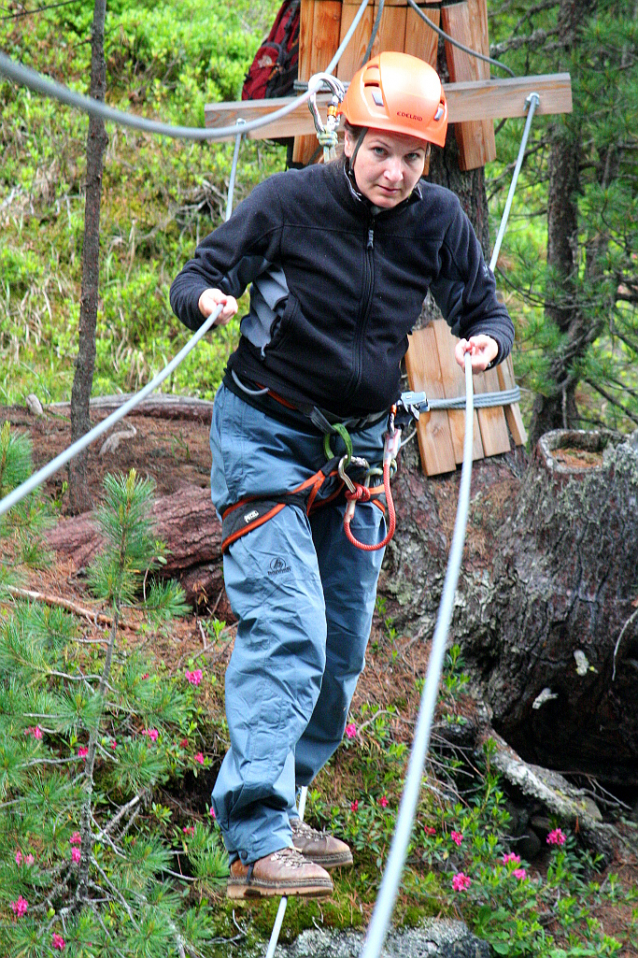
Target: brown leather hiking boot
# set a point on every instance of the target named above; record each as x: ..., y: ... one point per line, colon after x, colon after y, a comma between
x: 319, y: 847
x: 285, y: 872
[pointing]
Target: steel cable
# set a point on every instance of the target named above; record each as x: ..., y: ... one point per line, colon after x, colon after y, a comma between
x: 50, y: 88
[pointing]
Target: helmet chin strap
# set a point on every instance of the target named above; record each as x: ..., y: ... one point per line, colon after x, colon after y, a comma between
x: 360, y: 139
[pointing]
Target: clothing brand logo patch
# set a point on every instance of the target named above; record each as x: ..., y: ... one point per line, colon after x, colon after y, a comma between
x: 251, y: 515
x: 277, y: 566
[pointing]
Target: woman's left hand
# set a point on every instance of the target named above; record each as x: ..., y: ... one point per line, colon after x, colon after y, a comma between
x: 483, y: 349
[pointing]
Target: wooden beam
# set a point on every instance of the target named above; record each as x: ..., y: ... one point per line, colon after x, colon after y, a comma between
x: 472, y: 100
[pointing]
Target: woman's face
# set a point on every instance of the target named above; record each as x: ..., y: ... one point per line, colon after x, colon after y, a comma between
x: 387, y: 166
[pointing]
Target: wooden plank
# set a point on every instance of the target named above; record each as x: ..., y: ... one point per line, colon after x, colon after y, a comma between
x: 319, y: 30
x: 420, y: 39
x: 487, y: 99
x: 453, y: 380
x: 494, y: 434
x: 475, y: 138
x: 506, y: 380
x: 353, y: 54
x: 391, y: 34
x: 433, y: 429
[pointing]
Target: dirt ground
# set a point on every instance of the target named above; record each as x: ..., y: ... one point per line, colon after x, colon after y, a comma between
x: 173, y: 452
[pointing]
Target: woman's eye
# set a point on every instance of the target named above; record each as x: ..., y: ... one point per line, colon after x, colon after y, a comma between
x: 378, y: 151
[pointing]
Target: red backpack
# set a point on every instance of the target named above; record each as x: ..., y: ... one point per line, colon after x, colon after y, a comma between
x: 274, y: 69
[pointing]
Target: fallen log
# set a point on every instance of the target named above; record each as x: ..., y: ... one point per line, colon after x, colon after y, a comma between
x: 186, y: 522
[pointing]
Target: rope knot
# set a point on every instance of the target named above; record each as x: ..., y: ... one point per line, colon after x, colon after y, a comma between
x: 360, y: 494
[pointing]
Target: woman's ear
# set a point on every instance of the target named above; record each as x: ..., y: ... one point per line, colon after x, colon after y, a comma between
x: 348, y: 143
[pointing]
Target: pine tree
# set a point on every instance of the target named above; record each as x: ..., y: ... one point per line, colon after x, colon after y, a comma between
x: 87, y: 733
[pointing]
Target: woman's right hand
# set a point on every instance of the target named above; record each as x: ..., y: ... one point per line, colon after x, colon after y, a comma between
x: 211, y: 299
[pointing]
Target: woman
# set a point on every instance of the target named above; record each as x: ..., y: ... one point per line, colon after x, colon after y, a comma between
x: 340, y: 258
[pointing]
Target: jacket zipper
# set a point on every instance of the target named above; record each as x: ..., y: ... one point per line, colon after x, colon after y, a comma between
x: 365, y: 310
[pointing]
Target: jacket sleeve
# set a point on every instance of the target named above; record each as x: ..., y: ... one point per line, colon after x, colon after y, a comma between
x: 465, y: 290
x: 233, y: 255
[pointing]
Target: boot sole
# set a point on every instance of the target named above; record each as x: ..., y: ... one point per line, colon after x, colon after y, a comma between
x: 240, y: 891
x: 334, y: 861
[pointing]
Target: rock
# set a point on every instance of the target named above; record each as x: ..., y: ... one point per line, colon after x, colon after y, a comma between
x: 116, y: 438
x: 34, y: 405
x: 433, y: 938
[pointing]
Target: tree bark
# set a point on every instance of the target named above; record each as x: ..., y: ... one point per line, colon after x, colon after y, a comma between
x: 97, y: 141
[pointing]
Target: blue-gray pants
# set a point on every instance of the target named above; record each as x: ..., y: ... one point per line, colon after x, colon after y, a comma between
x: 304, y: 598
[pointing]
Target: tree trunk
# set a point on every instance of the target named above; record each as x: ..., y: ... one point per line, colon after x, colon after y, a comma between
x: 85, y: 362
x: 555, y: 407
x: 554, y: 636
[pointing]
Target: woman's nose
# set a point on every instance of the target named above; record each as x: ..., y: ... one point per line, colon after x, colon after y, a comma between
x: 393, y: 169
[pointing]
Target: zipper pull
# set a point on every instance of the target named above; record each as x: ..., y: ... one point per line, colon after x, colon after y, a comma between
x: 370, y: 238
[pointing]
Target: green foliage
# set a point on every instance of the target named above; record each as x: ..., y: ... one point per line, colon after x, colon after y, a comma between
x: 87, y: 734
x: 579, y: 325
x: 160, y: 196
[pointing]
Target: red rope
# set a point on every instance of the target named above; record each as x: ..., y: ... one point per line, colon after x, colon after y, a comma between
x: 362, y: 494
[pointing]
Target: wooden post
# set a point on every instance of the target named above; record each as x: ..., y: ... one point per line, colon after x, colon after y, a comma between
x: 467, y: 23
x: 319, y: 28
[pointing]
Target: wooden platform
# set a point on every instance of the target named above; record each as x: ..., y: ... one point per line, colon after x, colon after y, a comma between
x: 431, y: 368
x: 488, y: 99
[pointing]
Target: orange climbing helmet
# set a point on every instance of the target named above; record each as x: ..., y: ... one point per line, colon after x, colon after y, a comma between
x: 398, y: 93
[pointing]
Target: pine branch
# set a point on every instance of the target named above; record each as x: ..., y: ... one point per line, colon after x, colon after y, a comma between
x: 97, y: 618
x: 603, y: 392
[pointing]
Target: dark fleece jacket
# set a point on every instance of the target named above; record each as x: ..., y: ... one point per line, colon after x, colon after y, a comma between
x: 337, y: 285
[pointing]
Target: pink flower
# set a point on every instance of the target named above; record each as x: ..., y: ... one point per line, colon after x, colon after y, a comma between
x: 83, y: 751
x: 145, y: 676
x: 75, y: 839
x: 189, y: 829
x: 58, y: 941
x: 184, y: 743
x: 36, y: 732
x: 511, y: 859
x: 199, y: 758
x: 520, y: 873
x: 76, y: 854
x: 351, y: 730
x: 354, y: 806
x: 18, y: 857
x: 457, y: 837
x: 20, y: 906
x: 383, y: 802
x: 429, y: 830
x: 212, y: 814
x: 152, y: 733
x: 460, y: 882
x: 114, y: 744
x: 29, y: 859
x: 194, y: 677
x: 556, y: 837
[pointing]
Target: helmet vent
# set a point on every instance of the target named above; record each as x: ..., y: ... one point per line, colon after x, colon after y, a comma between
x: 377, y: 96
x: 439, y: 113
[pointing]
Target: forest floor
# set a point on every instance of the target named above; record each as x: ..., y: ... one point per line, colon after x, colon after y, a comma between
x: 173, y: 452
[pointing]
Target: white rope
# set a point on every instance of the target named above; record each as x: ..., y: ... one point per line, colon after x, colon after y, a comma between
x: 43, y: 474
x: 378, y: 927
x: 281, y: 911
